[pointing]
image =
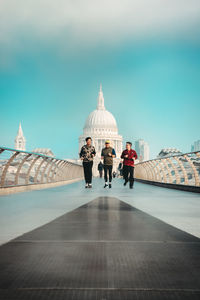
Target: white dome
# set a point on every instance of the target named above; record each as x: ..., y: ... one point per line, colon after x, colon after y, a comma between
x: 100, y: 120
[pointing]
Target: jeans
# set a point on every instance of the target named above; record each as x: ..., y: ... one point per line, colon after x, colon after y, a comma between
x: 108, y: 169
x: 87, y: 166
x: 128, y: 173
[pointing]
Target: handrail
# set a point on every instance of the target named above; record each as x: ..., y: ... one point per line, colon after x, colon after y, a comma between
x: 180, y: 169
x: 19, y: 168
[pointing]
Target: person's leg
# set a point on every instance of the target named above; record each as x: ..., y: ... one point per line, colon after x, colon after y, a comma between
x: 125, y: 174
x: 106, y: 176
x: 88, y: 172
x: 85, y: 172
x: 131, y: 179
x: 110, y: 173
x: 105, y: 173
x: 90, y: 165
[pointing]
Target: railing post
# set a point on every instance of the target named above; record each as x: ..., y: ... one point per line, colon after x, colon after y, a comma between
x: 182, y: 169
x: 168, y: 170
x: 178, y: 180
x: 196, y: 176
x: 43, y: 172
x: 3, y: 176
x: 164, y: 178
x: 30, y: 168
x: 19, y: 168
x: 38, y: 169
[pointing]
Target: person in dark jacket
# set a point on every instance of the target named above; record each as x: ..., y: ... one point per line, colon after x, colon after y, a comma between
x: 100, y: 169
x: 128, y: 155
x: 107, y: 154
x: 120, y: 169
x: 86, y: 155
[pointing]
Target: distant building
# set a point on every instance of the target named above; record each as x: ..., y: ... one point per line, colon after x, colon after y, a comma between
x: 44, y: 151
x: 20, y: 144
x: 168, y: 152
x: 142, y: 149
x: 20, y: 141
x: 101, y: 125
x: 195, y: 146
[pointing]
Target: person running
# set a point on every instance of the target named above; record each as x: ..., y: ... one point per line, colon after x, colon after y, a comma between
x: 86, y: 155
x: 128, y: 155
x: 107, y: 154
x: 100, y: 169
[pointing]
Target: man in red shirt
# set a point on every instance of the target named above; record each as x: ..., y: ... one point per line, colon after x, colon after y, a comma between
x: 128, y: 155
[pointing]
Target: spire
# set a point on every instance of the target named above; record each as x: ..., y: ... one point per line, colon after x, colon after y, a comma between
x: 20, y: 141
x: 100, y: 104
x: 20, y: 132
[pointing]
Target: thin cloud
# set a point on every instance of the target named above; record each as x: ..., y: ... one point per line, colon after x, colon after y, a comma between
x: 91, y: 22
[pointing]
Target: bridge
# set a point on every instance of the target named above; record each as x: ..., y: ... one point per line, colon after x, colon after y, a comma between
x: 62, y: 241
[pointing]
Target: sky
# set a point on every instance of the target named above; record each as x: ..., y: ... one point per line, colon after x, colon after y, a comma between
x: 55, y: 54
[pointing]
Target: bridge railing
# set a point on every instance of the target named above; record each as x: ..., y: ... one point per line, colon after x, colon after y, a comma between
x: 182, y: 170
x: 22, y: 168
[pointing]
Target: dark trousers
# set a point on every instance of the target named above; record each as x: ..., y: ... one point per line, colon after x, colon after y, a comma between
x: 128, y: 173
x: 87, y: 166
x: 108, y: 169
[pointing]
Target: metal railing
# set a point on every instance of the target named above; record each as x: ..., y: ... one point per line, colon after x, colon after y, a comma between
x: 182, y: 169
x: 28, y: 168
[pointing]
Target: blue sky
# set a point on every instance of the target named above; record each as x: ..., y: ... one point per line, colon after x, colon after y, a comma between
x: 53, y: 56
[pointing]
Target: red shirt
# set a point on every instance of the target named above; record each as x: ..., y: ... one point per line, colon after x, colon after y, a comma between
x: 129, y: 161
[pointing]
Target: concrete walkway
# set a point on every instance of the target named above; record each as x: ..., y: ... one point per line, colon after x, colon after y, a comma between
x: 20, y: 213
x: 104, y: 250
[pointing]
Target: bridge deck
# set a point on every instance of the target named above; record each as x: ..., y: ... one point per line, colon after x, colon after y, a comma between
x: 105, y: 249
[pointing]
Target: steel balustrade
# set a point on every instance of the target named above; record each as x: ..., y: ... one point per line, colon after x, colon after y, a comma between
x: 182, y: 169
x: 18, y: 168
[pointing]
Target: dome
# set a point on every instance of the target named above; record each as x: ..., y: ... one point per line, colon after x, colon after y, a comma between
x: 100, y: 120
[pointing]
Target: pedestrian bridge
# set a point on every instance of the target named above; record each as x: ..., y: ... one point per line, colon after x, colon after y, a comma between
x: 68, y: 242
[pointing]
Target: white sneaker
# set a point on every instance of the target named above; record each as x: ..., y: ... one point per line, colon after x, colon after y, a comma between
x: 106, y: 185
x: 89, y: 185
x: 86, y: 186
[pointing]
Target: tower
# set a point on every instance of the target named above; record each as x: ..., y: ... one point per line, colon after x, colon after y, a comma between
x: 101, y: 125
x: 20, y: 141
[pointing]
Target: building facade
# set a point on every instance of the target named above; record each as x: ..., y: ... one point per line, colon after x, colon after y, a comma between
x: 195, y: 146
x: 101, y: 125
x: 20, y: 141
x: 165, y: 152
x: 142, y: 149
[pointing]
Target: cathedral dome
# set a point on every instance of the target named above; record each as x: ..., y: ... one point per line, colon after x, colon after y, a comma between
x: 100, y: 120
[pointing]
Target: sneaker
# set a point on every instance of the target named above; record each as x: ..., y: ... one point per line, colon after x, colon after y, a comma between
x: 86, y: 186
x: 110, y: 185
x: 125, y: 183
x: 106, y: 185
x: 131, y: 187
x: 89, y: 185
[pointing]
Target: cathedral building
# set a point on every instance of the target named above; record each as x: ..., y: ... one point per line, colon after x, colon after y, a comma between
x: 101, y: 125
x: 20, y: 141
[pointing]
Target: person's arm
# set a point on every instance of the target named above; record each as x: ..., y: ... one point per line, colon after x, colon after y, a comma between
x: 135, y: 155
x: 81, y: 153
x: 122, y: 155
x: 94, y: 152
x: 102, y: 156
x: 113, y: 153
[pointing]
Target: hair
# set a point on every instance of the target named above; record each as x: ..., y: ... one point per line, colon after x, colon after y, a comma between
x: 88, y: 138
x: 129, y: 143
